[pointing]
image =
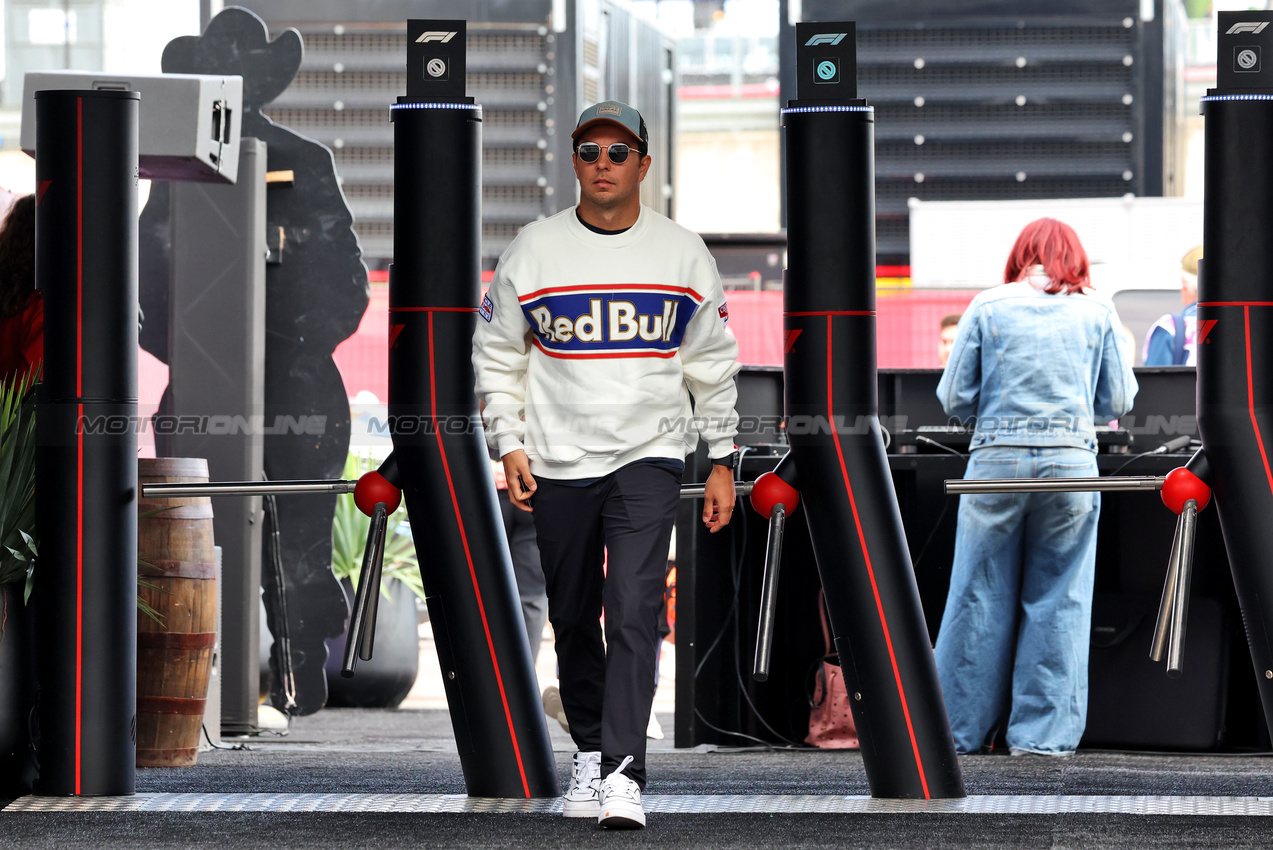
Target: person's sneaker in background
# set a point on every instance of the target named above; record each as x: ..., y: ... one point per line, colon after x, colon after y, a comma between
x: 553, y: 707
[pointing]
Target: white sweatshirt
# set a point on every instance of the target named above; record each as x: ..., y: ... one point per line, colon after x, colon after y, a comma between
x: 589, y: 346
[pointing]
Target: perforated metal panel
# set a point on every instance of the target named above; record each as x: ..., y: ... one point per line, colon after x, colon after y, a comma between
x: 1017, y: 99
x: 525, y: 76
x: 353, y: 71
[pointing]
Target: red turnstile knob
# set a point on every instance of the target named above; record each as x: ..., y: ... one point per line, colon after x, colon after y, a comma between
x: 373, y: 488
x: 770, y: 490
x: 1180, y: 486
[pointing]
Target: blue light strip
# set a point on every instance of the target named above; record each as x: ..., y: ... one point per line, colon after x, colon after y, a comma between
x: 1213, y: 98
x: 394, y: 106
x: 796, y: 110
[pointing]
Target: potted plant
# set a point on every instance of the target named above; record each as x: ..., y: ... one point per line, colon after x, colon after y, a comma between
x: 18, y: 549
x: 17, y: 485
x: 386, y: 680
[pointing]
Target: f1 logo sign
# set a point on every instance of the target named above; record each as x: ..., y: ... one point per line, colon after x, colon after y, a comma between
x: 440, y: 36
x: 436, y: 59
x: 1247, y: 26
x: 832, y: 38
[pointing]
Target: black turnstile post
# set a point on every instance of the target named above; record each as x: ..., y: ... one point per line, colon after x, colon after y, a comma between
x: 836, y: 446
x: 439, y: 447
x: 86, y: 458
x: 1235, y: 320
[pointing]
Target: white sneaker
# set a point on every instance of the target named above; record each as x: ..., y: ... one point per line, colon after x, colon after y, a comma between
x: 654, y: 729
x: 583, y: 798
x: 621, y: 801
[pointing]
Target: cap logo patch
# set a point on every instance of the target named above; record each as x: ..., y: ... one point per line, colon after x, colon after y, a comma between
x: 609, y: 109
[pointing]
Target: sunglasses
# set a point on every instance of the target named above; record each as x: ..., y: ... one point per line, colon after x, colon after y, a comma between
x: 591, y: 152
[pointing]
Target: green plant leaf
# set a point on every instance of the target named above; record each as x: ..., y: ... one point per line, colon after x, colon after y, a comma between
x: 17, y: 482
x: 350, y: 527
x: 155, y: 512
x: 148, y: 611
x: 141, y: 582
x: 142, y: 605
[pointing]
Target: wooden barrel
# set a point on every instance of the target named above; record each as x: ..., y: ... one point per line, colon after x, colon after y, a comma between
x: 178, y: 579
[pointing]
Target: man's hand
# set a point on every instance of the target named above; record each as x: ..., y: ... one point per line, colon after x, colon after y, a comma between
x: 718, y: 498
x: 521, y: 484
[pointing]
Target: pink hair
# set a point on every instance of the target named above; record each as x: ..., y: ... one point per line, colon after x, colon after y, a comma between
x: 1055, y: 246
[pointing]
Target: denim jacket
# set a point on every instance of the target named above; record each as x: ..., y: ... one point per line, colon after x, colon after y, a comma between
x: 1036, y: 369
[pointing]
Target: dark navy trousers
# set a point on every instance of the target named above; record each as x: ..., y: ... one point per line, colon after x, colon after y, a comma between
x: 604, y: 547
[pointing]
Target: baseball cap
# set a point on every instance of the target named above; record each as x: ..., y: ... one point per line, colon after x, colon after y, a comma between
x: 619, y: 114
x: 1189, y: 262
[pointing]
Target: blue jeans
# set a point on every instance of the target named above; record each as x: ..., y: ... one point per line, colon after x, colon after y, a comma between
x: 1019, y: 612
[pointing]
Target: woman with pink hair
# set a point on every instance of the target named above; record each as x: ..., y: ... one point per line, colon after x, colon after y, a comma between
x: 1036, y: 364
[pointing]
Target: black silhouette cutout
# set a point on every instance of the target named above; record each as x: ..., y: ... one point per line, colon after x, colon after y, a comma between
x: 316, y: 294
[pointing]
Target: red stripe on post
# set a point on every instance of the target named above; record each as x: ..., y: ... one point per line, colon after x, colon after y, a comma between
x: 432, y: 309
x: 79, y: 246
x: 79, y: 436
x: 468, y: 556
x: 1250, y: 397
x: 831, y: 313
x: 870, y: 571
x: 1235, y: 303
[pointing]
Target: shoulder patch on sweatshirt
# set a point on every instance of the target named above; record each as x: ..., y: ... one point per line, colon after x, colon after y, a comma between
x: 487, y: 309
x: 610, y: 320
x: 724, y: 313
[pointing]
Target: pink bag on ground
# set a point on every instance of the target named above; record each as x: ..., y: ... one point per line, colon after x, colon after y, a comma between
x: 830, y: 717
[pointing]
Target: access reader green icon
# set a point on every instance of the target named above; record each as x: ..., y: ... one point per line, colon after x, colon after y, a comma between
x: 826, y: 71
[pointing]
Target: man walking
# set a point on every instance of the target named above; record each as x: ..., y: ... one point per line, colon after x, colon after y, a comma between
x: 601, y: 356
